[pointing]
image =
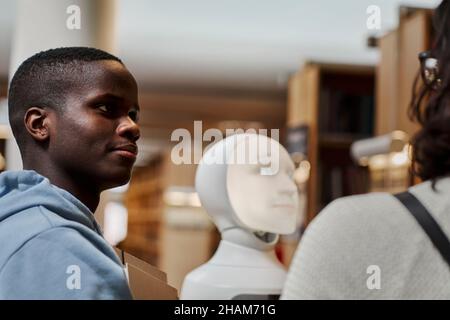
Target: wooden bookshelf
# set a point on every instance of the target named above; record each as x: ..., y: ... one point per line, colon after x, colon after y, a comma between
x: 336, y: 104
x: 3, y: 87
x: 398, y: 67
x: 144, y: 201
x: 3, y: 134
x: 397, y: 70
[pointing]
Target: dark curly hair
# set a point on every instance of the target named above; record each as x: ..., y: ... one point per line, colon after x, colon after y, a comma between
x: 430, y: 107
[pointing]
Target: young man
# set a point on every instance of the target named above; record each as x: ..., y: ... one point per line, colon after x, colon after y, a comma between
x: 74, y: 113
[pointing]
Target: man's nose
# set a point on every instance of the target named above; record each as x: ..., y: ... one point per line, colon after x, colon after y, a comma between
x: 129, y: 129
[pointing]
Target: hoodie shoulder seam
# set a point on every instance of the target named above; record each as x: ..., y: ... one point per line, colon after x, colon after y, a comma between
x: 45, y: 217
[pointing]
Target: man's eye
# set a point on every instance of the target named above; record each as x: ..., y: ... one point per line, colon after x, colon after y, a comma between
x: 104, y: 108
x: 134, y: 115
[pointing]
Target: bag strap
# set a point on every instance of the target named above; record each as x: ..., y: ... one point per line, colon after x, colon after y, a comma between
x: 427, y: 222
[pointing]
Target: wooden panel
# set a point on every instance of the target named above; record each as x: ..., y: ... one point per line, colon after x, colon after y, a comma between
x: 302, y: 96
x: 387, y: 85
x: 3, y: 87
x: 296, y: 99
x: 303, y: 106
x: 312, y: 78
x: 414, y: 31
x: 189, y: 107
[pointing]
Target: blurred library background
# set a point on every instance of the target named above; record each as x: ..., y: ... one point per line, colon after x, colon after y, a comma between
x: 336, y: 87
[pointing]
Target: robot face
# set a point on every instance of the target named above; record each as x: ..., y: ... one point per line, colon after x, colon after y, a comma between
x: 261, y: 190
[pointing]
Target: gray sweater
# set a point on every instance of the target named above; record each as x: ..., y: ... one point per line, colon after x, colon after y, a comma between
x: 370, y: 247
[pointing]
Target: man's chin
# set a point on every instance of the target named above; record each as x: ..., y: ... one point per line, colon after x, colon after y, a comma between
x: 117, y: 179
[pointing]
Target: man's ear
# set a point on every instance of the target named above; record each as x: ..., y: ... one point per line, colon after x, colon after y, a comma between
x: 37, y: 123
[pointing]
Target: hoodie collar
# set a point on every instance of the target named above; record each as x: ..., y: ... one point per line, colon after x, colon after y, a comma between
x: 23, y: 189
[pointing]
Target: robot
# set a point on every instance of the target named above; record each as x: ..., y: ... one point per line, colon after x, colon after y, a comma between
x: 245, y: 183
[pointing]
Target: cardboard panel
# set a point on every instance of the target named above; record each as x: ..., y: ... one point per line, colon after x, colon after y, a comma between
x: 146, y: 282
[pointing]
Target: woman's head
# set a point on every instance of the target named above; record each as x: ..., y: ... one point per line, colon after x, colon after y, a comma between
x: 431, y: 106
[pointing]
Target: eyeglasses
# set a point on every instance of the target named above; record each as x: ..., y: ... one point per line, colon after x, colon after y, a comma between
x: 429, y: 70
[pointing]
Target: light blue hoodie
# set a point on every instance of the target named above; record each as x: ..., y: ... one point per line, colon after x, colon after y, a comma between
x: 50, y: 245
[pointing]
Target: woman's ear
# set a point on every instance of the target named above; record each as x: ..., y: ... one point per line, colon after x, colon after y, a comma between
x: 36, y: 121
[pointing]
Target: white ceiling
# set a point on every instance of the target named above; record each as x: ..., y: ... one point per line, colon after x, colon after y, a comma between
x: 234, y: 44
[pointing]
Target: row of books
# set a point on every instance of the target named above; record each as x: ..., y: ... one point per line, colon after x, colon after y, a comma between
x: 338, y: 181
x: 344, y: 112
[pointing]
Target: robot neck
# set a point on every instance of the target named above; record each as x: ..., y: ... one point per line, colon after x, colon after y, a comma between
x: 263, y: 241
x: 235, y: 255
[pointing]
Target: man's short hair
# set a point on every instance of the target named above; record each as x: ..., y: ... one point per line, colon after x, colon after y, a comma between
x: 44, y: 80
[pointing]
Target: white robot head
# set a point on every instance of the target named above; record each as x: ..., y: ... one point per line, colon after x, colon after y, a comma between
x: 246, y: 181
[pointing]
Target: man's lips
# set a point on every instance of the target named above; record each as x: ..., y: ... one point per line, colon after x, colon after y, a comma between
x: 126, y: 150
